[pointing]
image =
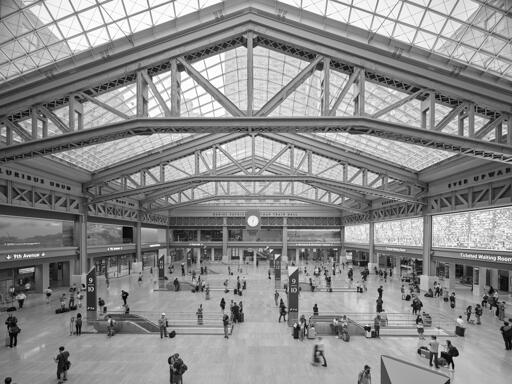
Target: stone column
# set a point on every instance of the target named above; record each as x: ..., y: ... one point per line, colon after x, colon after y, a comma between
x: 372, y: 263
x: 212, y: 254
x: 200, y: 251
x: 225, y: 255
x: 42, y: 275
x: 138, y: 242
x: 428, y: 276
x: 450, y: 282
x: 494, y: 278
x: 285, y: 241
x: 342, y: 244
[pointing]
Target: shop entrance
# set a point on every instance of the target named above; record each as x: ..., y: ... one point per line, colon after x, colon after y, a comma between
x: 114, y: 266
x: 317, y: 255
x: 503, y: 281
x: 56, y: 275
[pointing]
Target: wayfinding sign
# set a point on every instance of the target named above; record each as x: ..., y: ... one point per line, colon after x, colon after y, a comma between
x: 91, y: 295
x: 293, y: 295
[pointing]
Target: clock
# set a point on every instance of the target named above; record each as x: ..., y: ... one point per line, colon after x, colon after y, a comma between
x: 253, y: 221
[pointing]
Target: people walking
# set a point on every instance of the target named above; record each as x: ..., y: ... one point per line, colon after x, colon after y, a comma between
x: 13, y: 330
x: 478, y: 313
x: 63, y: 364
x: 21, y: 299
x: 506, y: 333
x: 110, y: 326
x: 450, y: 353
x: 282, y: 311
x: 225, y: 323
x: 162, y: 325
x: 318, y: 352
x: 452, y: 300
x: 48, y: 293
x: 364, y: 376
x: 376, y: 325
x: 124, y: 296
x: 420, y: 327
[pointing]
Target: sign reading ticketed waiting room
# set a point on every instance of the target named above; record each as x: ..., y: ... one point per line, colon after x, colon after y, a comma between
x: 481, y: 257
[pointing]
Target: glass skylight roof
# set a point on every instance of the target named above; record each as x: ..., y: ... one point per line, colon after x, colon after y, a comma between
x: 34, y: 34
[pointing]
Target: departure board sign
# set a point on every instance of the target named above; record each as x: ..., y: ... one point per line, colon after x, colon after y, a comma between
x: 91, y: 294
x: 293, y: 295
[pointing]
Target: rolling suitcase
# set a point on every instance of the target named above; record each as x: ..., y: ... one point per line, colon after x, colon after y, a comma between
x: 235, y: 291
x: 311, y: 333
x: 424, y: 352
x: 345, y: 337
x: 240, y: 292
x: 172, y: 334
x: 460, y: 331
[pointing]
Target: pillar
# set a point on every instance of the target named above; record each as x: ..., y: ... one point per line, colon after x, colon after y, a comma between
x: 372, y: 259
x: 225, y: 256
x: 200, y: 251
x: 343, y: 250
x: 510, y: 281
x: 42, y: 275
x: 212, y: 254
x: 450, y: 282
x: 478, y: 281
x: 138, y: 242
x: 285, y: 242
x: 428, y: 276
x: 494, y: 282
x: 81, y: 243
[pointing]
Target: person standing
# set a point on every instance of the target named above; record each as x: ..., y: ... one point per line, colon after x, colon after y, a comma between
x: 71, y: 302
x: 452, y: 300
x: 110, y: 326
x: 199, y: 314
x: 63, y: 364
x: 124, y: 296
x: 376, y: 325
x: 63, y: 302
x: 78, y: 324
x: 478, y: 313
x: 501, y: 311
x: 364, y: 376
x: 71, y: 325
x: 420, y: 327
x: 163, y: 324
x: 434, y: 350
x: 469, y: 311
x: 222, y: 305
x: 506, y: 333
x: 380, y: 291
x: 225, y: 323
x: 276, y: 297
x: 139, y: 280
x: 48, y: 293
x: 315, y: 310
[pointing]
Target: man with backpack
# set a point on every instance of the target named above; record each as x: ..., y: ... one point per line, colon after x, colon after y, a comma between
x: 63, y: 364
x: 450, y: 353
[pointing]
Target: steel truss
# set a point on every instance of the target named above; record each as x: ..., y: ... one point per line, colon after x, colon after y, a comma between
x: 176, y: 53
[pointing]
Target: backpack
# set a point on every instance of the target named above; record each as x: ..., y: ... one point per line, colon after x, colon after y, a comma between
x: 183, y: 368
x: 454, y: 352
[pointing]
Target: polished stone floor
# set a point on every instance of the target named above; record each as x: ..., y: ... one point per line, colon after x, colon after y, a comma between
x: 261, y: 350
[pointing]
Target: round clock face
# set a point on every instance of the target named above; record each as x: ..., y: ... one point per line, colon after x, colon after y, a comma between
x: 253, y: 221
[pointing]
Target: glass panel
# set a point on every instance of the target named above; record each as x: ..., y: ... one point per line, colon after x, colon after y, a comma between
x: 357, y: 233
x: 400, y: 232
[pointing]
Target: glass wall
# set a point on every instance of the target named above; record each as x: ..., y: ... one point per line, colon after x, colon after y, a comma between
x: 235, y: 234
x: 184, y: 235
x: 357, y: 233
x: 407, y: 232
x: 314, y: 235
x: 24, y: 232
x: 488, y: 229
x: 211, y: 235
x: 152, y: 235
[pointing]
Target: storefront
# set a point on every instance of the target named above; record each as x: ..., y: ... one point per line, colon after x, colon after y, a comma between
x: 113, y: 260
x: 402, y: 259
x: 35, y: 270
x: 356, y: 254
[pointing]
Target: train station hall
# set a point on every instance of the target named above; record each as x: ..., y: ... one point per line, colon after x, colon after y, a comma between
x: 256, y: 191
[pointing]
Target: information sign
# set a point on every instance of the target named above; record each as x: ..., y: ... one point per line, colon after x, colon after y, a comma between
x: 293, y: 295
x: 91, y: 294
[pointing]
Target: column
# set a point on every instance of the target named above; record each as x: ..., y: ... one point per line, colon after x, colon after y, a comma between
x: 494, y: 278
x: 450, y: 282
x: 138, y: 241
x: 478, y: 281
x: 342, y: 244
x: 81, y: 243
x: 372, y: 256
x: 42, y: 273
x: 428, y: 276
x: 200, y: 251
x: 212, y: 254
x: 225, y: 256
x: 510, y: 281
x: 285, y: 241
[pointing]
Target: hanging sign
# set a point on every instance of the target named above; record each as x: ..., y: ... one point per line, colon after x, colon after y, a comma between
x: 91, y: 294
x: 293, y: 295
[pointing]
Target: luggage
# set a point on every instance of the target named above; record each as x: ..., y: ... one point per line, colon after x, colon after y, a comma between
x: 311, y: 333
x: 226, y: 290
x: 11, y: 309
x: 345, y: 337
x: 441, y: 362
x: 407, y: 297
x: 424, y: 352
x: 374, y: 334
x: 73, y: 308
x: 235, y: 291
x: 172, y: 334
x: 295, y: 332
x: 61, y: 310
x: 368, y: 334
x: 445, y: 299
x: 460, y: 331
x: 240, y: 292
